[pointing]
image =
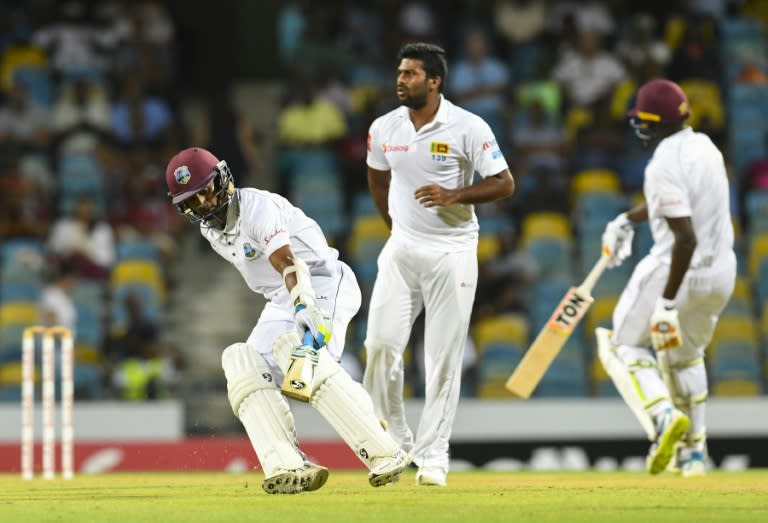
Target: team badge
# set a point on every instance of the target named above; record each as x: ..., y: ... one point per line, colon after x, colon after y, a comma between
x: 182, y: 175
x: 439, y: 148
x: 249, y: 251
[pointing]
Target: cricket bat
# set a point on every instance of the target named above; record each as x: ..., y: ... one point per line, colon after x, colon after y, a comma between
x: 555, y: 333
x: 300, y: 375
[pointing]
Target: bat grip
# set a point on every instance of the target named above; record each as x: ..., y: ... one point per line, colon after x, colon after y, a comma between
x: 595, y: 273
x: 308, y: 338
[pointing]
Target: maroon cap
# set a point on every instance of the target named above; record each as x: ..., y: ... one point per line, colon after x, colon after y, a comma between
x: 188, y: 172
x: 660, y: 101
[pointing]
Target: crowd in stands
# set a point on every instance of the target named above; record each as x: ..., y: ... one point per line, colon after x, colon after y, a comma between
x: 89, y: 117
x: 87, y: 238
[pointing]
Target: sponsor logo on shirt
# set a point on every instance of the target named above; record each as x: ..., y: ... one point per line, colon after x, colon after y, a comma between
x: 670, y: 203
x: 268, y: 238
x: 439, y: 148
x: 490, y: 143
x: 249, y: 251
x: 370, y: 140
x: 394, y: 148
x: 496, y: 154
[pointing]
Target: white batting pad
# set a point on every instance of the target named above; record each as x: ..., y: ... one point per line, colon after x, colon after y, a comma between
x: 262, y: 409
x: 620, y: 375
x: 345, y: 404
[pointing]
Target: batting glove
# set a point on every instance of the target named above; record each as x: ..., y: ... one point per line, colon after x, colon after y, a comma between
x: 310, y: 318
x: 665, y: 326
x: 617, y: 239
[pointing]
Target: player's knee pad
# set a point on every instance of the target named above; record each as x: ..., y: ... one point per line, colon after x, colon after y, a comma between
x: 345, y: 404
x: 621, y: 375
x: 262, y: 409
x: 247, y: 372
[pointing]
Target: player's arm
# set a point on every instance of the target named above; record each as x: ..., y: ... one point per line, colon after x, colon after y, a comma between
x: 378, y: 184
x: 281, y: 259
x: 638, y: 214
x: 682, y: 252
x: 490, y: 188
x: 298, y: 281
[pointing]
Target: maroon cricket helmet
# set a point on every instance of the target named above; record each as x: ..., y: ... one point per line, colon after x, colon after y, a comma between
x: 189, y: 172
x: 660, y: 101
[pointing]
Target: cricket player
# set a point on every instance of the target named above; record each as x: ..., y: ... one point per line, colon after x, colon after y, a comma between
x: 283, y: 255
x: 422, y: 158
x: 666, y: 315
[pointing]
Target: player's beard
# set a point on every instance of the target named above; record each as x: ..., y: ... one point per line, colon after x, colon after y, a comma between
x: 414, y: 100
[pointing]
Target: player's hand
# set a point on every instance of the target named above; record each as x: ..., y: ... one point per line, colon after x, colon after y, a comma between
x: 309, y: 318
x: 617, y: 239
x: 433, y: 195
x: 665, y: 326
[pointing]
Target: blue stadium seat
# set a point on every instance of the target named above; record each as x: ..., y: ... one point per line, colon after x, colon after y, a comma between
x: 137, y: 250
x: 552, y: 256
x: 20, y: 291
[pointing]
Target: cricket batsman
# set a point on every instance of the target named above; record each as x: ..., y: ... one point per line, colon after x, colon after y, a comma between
x: 311, y: 298
x: 668, y: 311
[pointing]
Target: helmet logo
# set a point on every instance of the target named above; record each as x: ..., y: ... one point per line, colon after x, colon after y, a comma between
x: 249, y: 251
x: 182, y: 175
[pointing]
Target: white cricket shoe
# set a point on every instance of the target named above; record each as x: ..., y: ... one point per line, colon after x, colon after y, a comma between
x: 427, y: 476
x: 387, y: 469
x: 306, y: 479
x: 671, y: 427
x: 693, y: 466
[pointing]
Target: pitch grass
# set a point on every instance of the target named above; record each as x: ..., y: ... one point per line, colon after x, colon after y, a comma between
x: 470, y: 497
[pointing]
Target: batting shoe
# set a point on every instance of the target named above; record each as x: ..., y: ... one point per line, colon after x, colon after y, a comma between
x: 694, y: 465
x: 671, y: 427
x: 306, y: 479
x: 431, y: 477
x: 387, y: 469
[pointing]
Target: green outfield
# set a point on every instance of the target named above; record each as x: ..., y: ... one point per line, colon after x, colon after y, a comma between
x: 470, y: 496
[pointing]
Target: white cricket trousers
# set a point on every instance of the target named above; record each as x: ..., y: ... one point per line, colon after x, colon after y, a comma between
x: 411, y: 278
x: 338, y: 295
x: 700, y: 299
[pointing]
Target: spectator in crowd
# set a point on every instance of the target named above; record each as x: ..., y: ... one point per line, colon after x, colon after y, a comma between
x: 309, y: 120
x: 85, y: 239
x: 74, y: 42
x: 141, y: 120
x: 698, y: 55
x: 81, y: 117
x: 479, y: 81
x: 588, y: 73
x: 143, y: 367
x: 24, y: 124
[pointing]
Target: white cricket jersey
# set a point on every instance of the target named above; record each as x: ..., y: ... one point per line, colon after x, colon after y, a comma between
x: 686, y: 177
x: 260, y: 222
x: 447, y: 151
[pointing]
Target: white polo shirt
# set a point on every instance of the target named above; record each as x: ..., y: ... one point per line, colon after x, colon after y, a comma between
x: 260, y: 222
x: 686, y: 177
x: 447, y: 151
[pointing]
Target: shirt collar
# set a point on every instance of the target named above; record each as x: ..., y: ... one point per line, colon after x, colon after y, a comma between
x: 440, y: 117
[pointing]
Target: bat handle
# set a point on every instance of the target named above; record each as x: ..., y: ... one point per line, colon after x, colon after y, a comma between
x: 308, y: 338
x: 596, y: 272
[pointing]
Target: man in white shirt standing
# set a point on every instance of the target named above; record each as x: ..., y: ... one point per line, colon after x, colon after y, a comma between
x: 668, y: 311
x: 422, y: 158
x: 283, y: 255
